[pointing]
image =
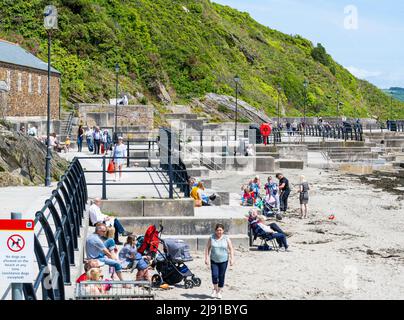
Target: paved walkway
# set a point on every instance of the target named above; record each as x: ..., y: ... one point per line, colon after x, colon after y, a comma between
x: 27, y: 200
x: 115, y: 189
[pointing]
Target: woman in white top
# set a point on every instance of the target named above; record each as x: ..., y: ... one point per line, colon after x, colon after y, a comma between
x: 119, y: 153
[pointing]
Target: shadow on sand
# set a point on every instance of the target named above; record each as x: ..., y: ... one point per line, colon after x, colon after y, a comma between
x: 196, y: 296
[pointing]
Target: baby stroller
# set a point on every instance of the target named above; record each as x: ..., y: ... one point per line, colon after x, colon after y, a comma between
x: 269, y: 208
x: 170, y: 264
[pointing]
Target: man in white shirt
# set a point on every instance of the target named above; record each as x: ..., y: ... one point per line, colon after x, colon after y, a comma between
x: 97, y: 216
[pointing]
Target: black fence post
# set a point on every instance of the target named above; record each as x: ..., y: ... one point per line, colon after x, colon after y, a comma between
x: 104, y: 178
x: 149, y: 155
x: 170, y: 167
x: 128, y: 154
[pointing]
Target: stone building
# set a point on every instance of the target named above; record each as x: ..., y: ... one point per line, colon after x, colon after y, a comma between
x: 26, y: 77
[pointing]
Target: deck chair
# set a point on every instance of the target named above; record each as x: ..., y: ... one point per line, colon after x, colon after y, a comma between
x: 258, y: 232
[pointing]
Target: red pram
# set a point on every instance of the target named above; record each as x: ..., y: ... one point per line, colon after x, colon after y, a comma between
x: 150, y: 242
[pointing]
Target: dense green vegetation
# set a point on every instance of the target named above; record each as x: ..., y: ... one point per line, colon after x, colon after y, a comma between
x: 192, y: 47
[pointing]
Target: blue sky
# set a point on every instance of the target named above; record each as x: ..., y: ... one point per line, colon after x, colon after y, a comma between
x: 365, y: 36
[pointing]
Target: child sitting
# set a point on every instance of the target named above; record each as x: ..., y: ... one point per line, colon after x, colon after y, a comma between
x: 127, y: 254
x: 131, y: 259
x: 248, y: 199
x: 67, y: 144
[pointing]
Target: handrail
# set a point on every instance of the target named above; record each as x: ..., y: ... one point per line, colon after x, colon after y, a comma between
x: 211, y: 165
x: 354, y: 132
x: 66, y: 207
x: 69, y: 123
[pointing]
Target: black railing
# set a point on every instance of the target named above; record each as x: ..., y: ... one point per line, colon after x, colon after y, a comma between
x: 170, y: 149
x: 60, y: 220
x: 353, y: 132
x: 144, y: 146
x: 395, y: 125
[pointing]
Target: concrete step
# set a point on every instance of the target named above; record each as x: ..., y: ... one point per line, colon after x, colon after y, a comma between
x: 198, y: 242
x: 148, y: 207
x: 184, y: 225
x: 353, y: 156
x: 144, y: 163
x: 274, y: 155
x: 198, y: 172
x: 289, y: 164
x: 144, y: 154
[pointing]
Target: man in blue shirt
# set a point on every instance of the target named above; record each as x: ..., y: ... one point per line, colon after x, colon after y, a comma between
x: 96, y: 248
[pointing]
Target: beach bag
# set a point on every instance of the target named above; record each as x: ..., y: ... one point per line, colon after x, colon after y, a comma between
x: 111, y: 167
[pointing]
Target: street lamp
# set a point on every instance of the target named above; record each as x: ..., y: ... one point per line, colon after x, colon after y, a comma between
x: 305, y: 84
x: 338, y: 92
x: 279, y: 93
x: 50, y: 23
x: 116, y: 102
x: 237, y: 81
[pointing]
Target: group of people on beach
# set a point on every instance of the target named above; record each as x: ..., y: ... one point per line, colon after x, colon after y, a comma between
x: 101, y: 249
x: 276, y: 194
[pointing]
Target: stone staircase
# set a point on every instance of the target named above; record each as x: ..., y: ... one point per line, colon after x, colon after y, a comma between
x: 347, y: 151
x: 178, y: 219
x: 65, y: 130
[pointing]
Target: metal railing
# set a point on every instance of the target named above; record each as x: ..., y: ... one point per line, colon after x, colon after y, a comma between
x: 354, y: 132
x: 59, y: 222
x: 177, y: 171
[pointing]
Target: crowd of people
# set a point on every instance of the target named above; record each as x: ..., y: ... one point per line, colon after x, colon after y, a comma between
x: 276, y: 194
x: 101, y: 249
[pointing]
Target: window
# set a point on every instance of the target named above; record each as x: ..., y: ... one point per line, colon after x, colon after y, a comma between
x: 39, y: 85
x: 9, y: 79
x: 19, y: 81
x: 29, y: 83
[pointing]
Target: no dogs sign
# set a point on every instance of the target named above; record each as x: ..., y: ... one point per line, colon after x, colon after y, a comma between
x: 16, y: 251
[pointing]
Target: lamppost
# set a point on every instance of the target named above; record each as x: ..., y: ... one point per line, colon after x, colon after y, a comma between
x: 237, y: 81
x: 50, y: 23
x: 279, y: 93
x: 305, y: 84
x: 116, y: 102
x: 338, y: 92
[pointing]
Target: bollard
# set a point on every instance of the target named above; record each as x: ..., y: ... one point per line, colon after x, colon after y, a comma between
x: 104, y: 178
x: 16, y: 288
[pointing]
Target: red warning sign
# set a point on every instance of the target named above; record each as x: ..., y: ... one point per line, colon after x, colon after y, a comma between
x: 16, y: 243
x: 17, y: 251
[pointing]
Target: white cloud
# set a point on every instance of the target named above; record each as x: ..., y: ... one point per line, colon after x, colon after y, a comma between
x: 363, y: 73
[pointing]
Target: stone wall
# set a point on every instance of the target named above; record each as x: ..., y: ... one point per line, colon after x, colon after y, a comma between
x: 28, y: 91
x: 129, y: 117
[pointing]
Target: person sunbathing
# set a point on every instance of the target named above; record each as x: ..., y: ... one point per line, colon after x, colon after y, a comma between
x: 280, y: 237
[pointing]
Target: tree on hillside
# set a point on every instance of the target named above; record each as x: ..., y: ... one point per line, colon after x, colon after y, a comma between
x: 320, y: 54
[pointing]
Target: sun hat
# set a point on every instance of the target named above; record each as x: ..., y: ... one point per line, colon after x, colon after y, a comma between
x: 120, y: 138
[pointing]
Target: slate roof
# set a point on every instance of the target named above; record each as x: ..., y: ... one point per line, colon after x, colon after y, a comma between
x: 14, y: 54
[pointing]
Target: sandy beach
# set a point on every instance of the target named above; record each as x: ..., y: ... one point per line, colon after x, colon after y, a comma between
x: 359, y: 255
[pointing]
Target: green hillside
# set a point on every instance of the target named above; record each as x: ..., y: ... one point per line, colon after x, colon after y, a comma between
x: 193, y: 47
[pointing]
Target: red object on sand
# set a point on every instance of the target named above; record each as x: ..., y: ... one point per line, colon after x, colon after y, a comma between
x: 331, y: 217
